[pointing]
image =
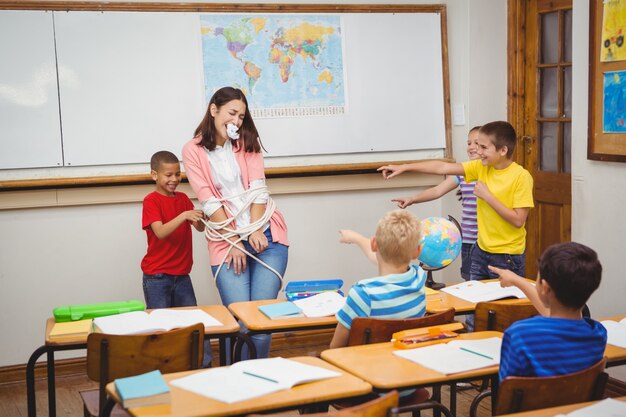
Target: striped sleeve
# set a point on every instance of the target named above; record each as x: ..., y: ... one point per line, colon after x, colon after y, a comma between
x: 357, y: 305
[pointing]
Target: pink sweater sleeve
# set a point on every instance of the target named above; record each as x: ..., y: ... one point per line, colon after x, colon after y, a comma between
x: 198, y: 171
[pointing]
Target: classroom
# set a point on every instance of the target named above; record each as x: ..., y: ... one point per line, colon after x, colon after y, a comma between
x: 83, y: 244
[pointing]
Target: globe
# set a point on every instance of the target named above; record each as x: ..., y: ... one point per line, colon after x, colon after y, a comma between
x: 440, y: 241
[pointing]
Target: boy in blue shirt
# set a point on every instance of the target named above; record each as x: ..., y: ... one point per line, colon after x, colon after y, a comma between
x: 398, y: 291
x: 561, y: 340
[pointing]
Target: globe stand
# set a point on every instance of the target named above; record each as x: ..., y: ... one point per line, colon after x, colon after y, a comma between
x: 430, y: 282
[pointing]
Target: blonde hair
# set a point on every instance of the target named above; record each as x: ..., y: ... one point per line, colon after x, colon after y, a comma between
x: 397, y: 237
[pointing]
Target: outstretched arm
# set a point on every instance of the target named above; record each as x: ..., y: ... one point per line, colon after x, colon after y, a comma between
x: 429, y: 194
x: 510, y: 278
x: 352, y: 237
x: 425, y: 167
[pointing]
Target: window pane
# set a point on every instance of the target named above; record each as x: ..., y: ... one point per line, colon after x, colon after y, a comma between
x: 550, y: 38
x: 567, y: 36
x: 548, y: 144
x: 567, y: 147
x: 567, y: 91
x: 548, y: 92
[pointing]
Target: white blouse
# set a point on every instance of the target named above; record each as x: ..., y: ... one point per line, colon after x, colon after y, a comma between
x: 227, y: 175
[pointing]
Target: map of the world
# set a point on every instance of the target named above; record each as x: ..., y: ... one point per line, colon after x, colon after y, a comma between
x: 287, y: 65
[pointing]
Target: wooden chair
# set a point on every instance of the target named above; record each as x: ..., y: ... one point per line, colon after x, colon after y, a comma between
x: 366, y: 330
x: 499, y: 315
x: 118, y: 356
x: 383, y: 406
x: 518, y: 394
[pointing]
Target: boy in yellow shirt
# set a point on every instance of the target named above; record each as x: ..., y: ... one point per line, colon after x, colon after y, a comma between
x: 505, y: 196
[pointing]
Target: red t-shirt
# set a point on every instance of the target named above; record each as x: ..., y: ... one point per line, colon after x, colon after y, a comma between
x: 172, y: 255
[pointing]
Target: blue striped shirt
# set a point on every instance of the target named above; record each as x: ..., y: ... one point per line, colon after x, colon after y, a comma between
x: 394, y: 296
x: 469, y: 224
x: 546, y: 346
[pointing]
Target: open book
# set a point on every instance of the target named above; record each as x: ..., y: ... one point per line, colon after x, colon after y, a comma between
x: 251, y: 378
x: 477, y: 291
x: 608, y: 407
x: 157, y: 320
x: 456, y: 356
x: 616, y: 332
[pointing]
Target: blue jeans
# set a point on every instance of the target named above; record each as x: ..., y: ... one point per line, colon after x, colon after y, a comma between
x: 165, y: 290
x: 479, y: 270
x: 466, y: 260
x: 255, y: 283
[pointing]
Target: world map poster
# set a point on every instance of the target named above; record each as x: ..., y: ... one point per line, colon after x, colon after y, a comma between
x: 287, y: 65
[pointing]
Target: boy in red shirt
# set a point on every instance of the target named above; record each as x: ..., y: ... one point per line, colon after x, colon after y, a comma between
x: 167, y: 215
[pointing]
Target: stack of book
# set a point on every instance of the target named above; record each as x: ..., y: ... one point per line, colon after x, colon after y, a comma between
x: 142, y: 390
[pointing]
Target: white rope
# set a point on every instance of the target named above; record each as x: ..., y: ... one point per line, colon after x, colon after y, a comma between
x: 221, y: 231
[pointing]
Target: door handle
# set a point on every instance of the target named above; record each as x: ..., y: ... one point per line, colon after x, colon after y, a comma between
x: 528, y: 144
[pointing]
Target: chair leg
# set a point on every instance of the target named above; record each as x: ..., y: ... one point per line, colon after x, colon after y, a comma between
x: 476, y: 401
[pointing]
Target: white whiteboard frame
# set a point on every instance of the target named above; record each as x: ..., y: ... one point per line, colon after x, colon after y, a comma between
x: 283, y: 166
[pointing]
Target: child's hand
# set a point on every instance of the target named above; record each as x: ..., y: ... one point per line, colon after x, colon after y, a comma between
x: 390, y: 171
x: 507, y: 278
x: 403, y: 202
x: 348, y: 236
x: 481, y: 190
x: 193, y: 216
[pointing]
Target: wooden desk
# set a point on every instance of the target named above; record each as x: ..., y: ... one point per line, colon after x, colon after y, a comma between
x: 436, y: 303
x: 615, y: 355
x: 187, y: 404
x: 229, y: 328
x: 377, y: 365
x: 554, y: 411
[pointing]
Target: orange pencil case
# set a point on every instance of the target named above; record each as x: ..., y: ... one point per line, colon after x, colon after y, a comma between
x: 409, y: 339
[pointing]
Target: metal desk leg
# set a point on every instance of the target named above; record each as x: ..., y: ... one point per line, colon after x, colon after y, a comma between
x: 30, y: 380
x: 52, y: 397
x: 453, y: 399
x: 108, y: 407
x: 222, y: 340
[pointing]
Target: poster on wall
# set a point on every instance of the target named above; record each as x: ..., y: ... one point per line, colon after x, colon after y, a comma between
x: 614, y: 102
x: 613, y: 31
x: 288, y: 65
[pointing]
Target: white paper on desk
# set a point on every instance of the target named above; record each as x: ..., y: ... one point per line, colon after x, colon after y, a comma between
x: 477, y: 291
x: 616, y: 332
x: 451, y: 358
x: 251, y: 378
x: 321, y: 305
x: 605, y: 408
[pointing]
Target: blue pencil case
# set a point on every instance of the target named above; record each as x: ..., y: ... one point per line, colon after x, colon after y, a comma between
x: 296, y: 290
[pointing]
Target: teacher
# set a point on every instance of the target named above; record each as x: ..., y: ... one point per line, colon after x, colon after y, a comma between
x: 247, y: 235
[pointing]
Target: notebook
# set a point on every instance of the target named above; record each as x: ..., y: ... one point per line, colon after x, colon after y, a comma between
x: 141, y: 390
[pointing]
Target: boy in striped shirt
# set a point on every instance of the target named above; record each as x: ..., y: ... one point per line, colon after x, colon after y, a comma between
x: 559, y: 341
x: 398, y: 291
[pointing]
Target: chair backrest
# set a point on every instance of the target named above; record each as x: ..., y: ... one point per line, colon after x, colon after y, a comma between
x: 366, y: 330
x: 382, y: 406
x: 525, y: 393
x: 498, y: 315
x: 118, y: 356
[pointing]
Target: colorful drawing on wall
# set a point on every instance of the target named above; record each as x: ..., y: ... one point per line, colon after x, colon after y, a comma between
x: 614, y: 102
x: 287, y: 65
x: 613, y: 31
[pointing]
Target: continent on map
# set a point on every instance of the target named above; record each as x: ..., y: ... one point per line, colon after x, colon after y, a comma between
x: 305, y: 40
x: 253, y: 72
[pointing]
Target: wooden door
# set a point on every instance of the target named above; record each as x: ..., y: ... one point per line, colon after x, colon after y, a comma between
x: 540, y: 109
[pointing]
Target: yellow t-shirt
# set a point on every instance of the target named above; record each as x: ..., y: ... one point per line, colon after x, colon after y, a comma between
x: 513, y: 186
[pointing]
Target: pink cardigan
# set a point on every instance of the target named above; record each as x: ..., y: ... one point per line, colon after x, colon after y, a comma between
x: 198, y: 172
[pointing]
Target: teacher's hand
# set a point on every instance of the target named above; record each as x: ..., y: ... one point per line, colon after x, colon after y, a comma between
x: 258, y: 241
x: 237, y: 259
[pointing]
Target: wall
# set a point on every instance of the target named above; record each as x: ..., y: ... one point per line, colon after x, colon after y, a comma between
x: 60, y: 254
x: 598, y: 197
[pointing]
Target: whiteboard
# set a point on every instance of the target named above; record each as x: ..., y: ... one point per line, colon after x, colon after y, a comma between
x: 136, y: 84
x: 132, y: 83
x: 30, y: 128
